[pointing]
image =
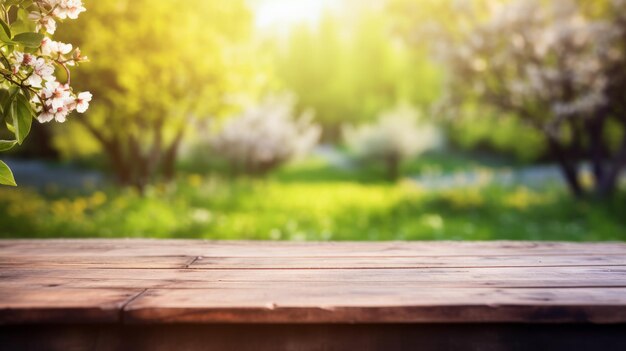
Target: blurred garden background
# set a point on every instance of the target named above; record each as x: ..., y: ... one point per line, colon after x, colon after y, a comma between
x: 335, y: 120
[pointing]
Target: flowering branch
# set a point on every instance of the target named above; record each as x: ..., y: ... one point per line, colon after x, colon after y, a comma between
x: 28, y: 85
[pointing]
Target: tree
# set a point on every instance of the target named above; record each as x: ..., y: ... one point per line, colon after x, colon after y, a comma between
x: 427, y: 25
x: 28, y: 58
x: 162, y: 67
x: 559, y: 68
x: 265, y: 136
x: 396, y: 136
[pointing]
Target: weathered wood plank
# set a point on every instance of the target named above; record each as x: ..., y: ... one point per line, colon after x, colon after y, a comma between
x: 600, y: 274
x: 519, y: 277
x: 384, y: 304
x: 145, y: 247
x: 54, y: 305
x: 89, y: 262
x: 178, y: 262
x: 405, y: 262
x: 97, y: 283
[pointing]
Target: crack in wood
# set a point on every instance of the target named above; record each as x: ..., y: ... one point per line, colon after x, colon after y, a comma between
x: 193, y: 260
x: 128, y: 302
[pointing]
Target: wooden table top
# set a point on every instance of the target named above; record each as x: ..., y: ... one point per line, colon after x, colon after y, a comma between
x: 170, y: 281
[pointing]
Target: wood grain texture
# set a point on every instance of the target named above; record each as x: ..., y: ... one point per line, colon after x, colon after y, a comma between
x: 170, y: 281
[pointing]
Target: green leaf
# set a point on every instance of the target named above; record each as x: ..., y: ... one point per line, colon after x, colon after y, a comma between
x: 11, y: 93
x: 30, y: 50
x: 7, y: 144
x: 29, y: 39
x: 4, y: 95
x: 22, y: 117
x: 5, y: 32
x: 6, y: 176
x: 13, y: 2
x: 7, y: 102
x: 22, y: 23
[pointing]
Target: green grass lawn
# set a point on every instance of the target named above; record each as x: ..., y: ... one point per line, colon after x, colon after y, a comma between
x: 310, y: 201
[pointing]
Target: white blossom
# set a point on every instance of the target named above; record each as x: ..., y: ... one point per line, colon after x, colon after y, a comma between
x: 45, y: 116
x: 54, y: 48
x: 68, y: 8
x: 60, y: 113
x: 43, y: 21
x: 57, y: 94
x: 77, y: 56
x: 82, y: 101
x: 20, y: 60
x: 41, y: 71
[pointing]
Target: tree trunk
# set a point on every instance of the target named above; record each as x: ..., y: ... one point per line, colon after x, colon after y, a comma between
x: 123, y: 173
x: 606, y: 187
x: 568, y: 167
x: 170, y: 156
x: 393, y: 167
x: 598, y: 151
x: 112, y: 147
x: 153, y: 158
x: 138, y: 161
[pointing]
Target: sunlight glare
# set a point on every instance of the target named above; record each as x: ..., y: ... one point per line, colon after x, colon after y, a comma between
x: 282, y: 14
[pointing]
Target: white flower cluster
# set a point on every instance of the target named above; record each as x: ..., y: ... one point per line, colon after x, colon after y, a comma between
x: 397, y: 133
x: 59, y: 102
x: 36, y: 71
x: 51, y: 9
x: 266, y: 135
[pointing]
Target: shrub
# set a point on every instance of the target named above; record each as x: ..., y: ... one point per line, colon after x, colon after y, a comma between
x: 398, y: 135
x: 265, y: 136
